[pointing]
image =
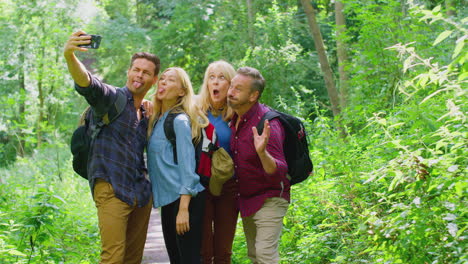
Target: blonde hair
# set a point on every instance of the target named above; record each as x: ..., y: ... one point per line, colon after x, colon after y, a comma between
x: 204, y: 97
x: 184, y: 104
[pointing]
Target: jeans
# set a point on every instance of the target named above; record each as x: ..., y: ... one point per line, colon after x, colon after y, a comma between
x: 183, y: 249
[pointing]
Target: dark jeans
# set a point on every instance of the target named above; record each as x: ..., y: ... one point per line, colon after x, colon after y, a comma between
x: 184, y: 249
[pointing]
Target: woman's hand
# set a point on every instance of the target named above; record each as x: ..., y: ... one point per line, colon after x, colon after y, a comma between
x: 183, y: 218
x: 148, y: 106
x: 182, y: 222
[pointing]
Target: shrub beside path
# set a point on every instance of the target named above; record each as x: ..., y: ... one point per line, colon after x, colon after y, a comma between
x: 155, y: 249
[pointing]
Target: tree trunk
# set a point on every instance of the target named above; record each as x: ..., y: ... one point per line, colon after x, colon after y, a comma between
x: 341, y: 50
x: 324, y: 65
x: 40, y: 118
x: 139, y: 12
x: 22, y: 105
x: 42, y: 94
x: 250, y: 23
x: 50, y: 111
x: 450, y: 7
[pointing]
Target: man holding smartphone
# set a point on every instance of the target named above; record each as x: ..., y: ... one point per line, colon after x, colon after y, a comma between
x: 116, y: 167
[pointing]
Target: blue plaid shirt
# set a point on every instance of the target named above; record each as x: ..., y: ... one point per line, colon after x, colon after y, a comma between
x: 117, y: 153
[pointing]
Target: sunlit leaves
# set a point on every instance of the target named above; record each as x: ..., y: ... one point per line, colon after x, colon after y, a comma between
x: 442, y: 36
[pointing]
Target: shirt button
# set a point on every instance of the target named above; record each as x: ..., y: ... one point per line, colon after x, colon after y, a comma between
x: 236, y: 137
x: 235, y: 152
x: 235, y: 166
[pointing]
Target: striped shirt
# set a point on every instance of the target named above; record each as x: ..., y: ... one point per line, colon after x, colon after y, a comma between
x: 255, y: 185
x: 117, y: 153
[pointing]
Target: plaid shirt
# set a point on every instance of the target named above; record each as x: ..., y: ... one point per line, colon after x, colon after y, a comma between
x: 255, y: 185
x: 117, y: 153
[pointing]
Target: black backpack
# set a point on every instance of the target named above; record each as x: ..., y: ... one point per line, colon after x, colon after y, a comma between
x: 295, y: 147
x: 90, y: 126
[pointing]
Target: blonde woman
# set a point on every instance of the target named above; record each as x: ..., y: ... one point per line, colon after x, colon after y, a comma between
x: 221, y: 212
x: 176, y: 186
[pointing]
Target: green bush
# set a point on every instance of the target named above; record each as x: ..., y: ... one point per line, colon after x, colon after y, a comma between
x: 46, y: 214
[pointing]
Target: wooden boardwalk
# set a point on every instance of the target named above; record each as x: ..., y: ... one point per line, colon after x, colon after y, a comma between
x: 155, y: 250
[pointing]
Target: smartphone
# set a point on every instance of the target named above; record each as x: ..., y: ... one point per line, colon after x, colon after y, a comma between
x: 95, y: 42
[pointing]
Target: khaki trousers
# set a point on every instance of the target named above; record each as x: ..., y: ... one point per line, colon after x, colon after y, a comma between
x: 123, y: 227
x: 263, y: 229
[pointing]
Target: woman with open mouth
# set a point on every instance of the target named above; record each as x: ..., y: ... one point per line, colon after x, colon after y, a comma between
x: 221, y: 212
x: 176, y: 186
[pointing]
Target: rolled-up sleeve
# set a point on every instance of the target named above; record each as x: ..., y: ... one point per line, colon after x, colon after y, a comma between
x: 99, y: 95
x: 185, y: 156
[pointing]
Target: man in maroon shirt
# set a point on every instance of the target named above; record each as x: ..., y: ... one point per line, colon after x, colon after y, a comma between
x: 260, y: 167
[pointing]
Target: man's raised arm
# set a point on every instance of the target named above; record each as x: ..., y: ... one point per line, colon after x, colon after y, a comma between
x: 75, y: 67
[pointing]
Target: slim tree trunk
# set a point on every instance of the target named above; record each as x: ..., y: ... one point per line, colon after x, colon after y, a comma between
x: 139, y: 12
x: 341, y: 50
x: 51, y: 109
x: 324, y: 65
x: 450, y: 7
x: 40, y: 82
x: 40, y: 88
x: 251, y: 21
x: 22, y: 104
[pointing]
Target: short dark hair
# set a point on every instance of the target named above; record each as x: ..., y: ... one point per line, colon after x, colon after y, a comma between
x: 258, y: 82
x: 148, y: 56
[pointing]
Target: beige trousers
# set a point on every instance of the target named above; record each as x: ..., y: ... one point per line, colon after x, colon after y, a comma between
x: 123, y: 227
x: 263, y: 229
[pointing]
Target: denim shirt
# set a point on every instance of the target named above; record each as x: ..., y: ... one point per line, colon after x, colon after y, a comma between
x: 170, y: 180
x: 117, y: 153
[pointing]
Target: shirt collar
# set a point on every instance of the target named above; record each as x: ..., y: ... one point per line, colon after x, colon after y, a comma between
x: 130, y: 98
x: 128, y: 93
x: 252, y: 111
x: 248, y: 115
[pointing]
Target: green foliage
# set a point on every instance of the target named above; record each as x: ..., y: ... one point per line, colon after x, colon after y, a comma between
x: 46, y: 213
x: 181, y: 42
x: 374, y: 69
x: 395, y: 191
x: 283, y: 64
x: 33, y: 88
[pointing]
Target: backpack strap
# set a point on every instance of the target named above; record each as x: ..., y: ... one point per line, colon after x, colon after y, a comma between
x: 268, y: 115
x: 206, y: 145
x: 114, y: 111
x: 116, y: 108
x: 170, y: 133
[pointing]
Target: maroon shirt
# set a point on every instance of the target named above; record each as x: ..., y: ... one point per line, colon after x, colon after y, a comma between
x: 255, y: 185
